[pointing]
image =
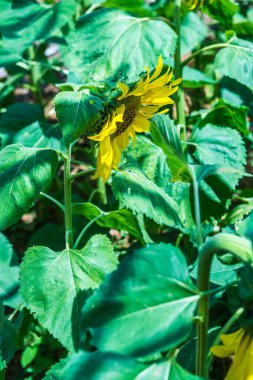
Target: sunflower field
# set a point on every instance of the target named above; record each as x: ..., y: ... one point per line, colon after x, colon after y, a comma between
x: 126, y: 189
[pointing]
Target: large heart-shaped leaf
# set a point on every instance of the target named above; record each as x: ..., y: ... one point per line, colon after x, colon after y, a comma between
x: 96, y: 45
x: 60, y: 280
x: 149, y: 302
x: 24, y: 173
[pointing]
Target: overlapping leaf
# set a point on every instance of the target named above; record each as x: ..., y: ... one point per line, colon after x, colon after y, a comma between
x: 150, y: 298
x: 77, y: 112
x: 122, y: 219
x: 136, y: 192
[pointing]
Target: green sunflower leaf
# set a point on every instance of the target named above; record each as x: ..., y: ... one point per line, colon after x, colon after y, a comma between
x: 227, y: 115
x: 164, y: 134
x: 222, y: 11
x: 137, y: 193
x: 122, y: 219
x: 149, y: 301
x: 236, y: 61
x: 30, y: 22
x: 193, y: 32
x: 95, y: 45
x: 7, y: 339
x: 77, y: 112
x: 109, y: 366
x: 60, y: 284
x: 9, y: 274
x: 24, y: 173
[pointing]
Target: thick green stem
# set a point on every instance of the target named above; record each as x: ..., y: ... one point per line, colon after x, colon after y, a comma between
x: 68, y: 201
x: 2, y: 374
x: 197, y: 211
x: 178, y: 68
x: 35, y: 76
x: 241, y: 248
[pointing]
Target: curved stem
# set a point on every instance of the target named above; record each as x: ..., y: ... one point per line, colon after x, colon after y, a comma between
x: 211, y: 47
x: 53, y: 200
x: 85, y: 229
x: 242, y: 249
x: 178, y: 68
x: 84, y: 172
x: 67, y: 198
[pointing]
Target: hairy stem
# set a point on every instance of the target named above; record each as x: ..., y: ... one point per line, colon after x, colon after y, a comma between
x: 68, y: 201
x: 178, y: 68
x: 241, y: 248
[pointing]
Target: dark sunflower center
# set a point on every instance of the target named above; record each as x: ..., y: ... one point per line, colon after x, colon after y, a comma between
x: 131, y: 107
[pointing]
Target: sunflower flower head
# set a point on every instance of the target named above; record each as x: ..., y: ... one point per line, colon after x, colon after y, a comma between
x: 239, y: 344
x: 136, y: 106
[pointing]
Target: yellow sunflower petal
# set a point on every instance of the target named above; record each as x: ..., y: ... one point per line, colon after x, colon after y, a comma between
x: 124, y: 88
x: 158, y: 68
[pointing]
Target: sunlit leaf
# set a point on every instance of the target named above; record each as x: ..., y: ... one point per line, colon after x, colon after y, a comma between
x: 95, y: 45
x: 60, y: 280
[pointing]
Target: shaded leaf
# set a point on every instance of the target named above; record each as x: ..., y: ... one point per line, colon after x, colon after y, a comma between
x: 30, y: 22
x: 225, y: 114
x: 77, y: 112
x: 220, y: 273
x: 24, y: 173
x: 149, y: 302
x: 194, y: 78
x: 9, y: 274
x: 193, y: 32
x: 120, y: 219
x: 222, y: 11
x: 164, y: 134
x: 17, y: 117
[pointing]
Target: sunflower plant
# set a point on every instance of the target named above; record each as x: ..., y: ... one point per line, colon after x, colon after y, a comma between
x: 126, y: 190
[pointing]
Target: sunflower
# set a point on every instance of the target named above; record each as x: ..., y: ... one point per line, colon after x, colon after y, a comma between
x: 239, y: 344
x: 136, y: 107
